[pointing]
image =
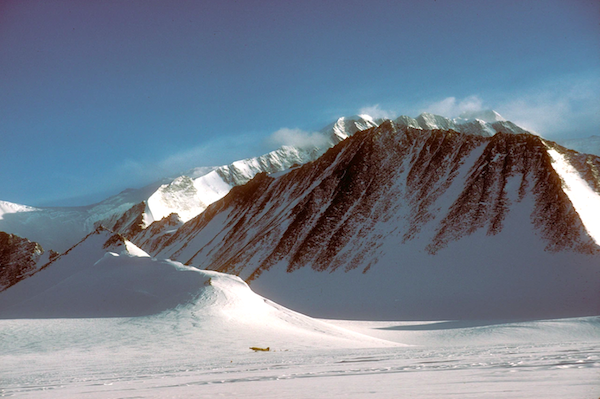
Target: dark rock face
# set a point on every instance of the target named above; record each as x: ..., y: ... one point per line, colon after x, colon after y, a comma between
x: 18, y: 259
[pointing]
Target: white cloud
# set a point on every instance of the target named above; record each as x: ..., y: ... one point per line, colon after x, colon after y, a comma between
x: 134, y: 171
x: 177, y: 163
x: 564, y: 108
x: 297, y: 138
x: 216, y: 152
x: 568, y: 108
x: 376, y: 112
x: 450, y: 107
x: 542, y: 117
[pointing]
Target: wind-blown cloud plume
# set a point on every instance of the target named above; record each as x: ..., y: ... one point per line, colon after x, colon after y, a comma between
x: 562, y: 109
x: 450, y: 107
x: 297, y: 138
x: 376, y: 112
x: 566, y: 109
x: 211, y: 153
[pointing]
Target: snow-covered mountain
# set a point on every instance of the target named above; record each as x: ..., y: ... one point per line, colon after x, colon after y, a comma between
x: 188, y: 195
x: 59, y: 228
x: 345, y: 127
x: 431, y: 191
x: 413, y: 223
x: 399, y: 221
x: 482, y: 123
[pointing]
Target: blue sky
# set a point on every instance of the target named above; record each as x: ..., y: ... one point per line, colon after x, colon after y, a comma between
x: 98, y: 96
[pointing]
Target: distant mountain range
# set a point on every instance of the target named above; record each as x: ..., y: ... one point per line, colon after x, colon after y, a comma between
x: 424, y: 217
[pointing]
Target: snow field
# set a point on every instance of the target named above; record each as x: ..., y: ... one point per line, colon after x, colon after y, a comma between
x: 9, y: 207
x: 167, y: 356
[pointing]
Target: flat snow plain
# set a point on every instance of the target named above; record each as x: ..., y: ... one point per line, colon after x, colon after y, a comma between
x: 178, y: 355
x: 200, y: 348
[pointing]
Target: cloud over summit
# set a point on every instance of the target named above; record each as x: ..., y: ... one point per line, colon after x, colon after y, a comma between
x: 297, y: 138
x: 450, y: 107
x: 376, y: 112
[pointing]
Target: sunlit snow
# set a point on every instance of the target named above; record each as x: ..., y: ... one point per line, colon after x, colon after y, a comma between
x: 178, y: 356
x: 9, y: 207
x: 187, y: 197
x: 134, y: 250
x: 585, y: 200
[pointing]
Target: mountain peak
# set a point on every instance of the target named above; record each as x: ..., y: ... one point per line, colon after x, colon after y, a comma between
x: 430, y: 121
x: 486, y: 115
x: 345, y: 127
x: 365, y: 117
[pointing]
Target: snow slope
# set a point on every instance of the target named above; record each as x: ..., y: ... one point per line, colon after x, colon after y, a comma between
x: 584, y: 198
x: 9, y: 207
x: 189, y: 197
x: 184, y: 332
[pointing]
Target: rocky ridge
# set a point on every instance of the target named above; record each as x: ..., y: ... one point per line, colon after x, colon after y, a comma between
x: 19, y: 259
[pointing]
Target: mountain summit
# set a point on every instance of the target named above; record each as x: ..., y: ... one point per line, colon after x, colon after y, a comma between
x: 488, y: 116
